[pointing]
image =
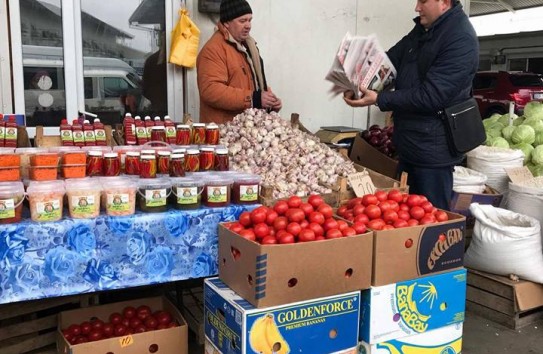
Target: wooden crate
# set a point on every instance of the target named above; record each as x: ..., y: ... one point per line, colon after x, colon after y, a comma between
x: 514, y: 304
x: 28, y: 326
x: 42, y: 140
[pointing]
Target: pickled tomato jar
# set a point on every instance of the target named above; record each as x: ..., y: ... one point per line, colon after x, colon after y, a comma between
x: 222, y: 161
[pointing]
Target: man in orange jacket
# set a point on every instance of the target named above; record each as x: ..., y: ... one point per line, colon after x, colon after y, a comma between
x: 230, y: 70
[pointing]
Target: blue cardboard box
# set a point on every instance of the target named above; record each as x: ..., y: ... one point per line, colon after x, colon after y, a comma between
x: 319, y: 326
x: 412, y: 307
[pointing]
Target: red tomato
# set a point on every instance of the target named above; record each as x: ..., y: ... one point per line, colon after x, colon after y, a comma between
x: 385, y: 206
x: 248, y: 234
x: 95, y: 335
x: 395, y: 195
x: 115, y: 318
x: 427, y: 219
x: 360, y: 227
x: 80, y: 340
x: 412, y: 222
x: 163, y: 317
x: 394, y: 205
x: 413, y: 200
x: 427, y: 206
x: 280, y: 223
x: 295, y: 215
x: 280, y: 207
x: 404, y: 215
x: 423, y: 198
x: 172, y: 325
x: 342, y: 225
x: 272, y: 231
x: 151, y: 322
x: 120, y: 330
x: 441, y: 216
x: 416, y: 212
x: 109, y: 330
x: 74, y: 330
x: 97, y: 324
x: 341, y: 210
x: 306, y: 208
x: 126, y: 321
x: 373, y: 211
x: 287, y: 238
x: 400, y: 223
x: 315, y: 200
x: 353, y: 202
x: 358, y: 209
x: 294, y: 228
x: 162, y: 326
x: 269, y: 240
x: 306, y: 235
x: 304, y: 223
x: 390, y: 216
x: 261, y: 230
x: 236, y: 227
x: 388, y: 227
x: 326, y: 210
x: 320, y: 238
x: 317, y: 217
x: 258, y: 216
x: 349, y: 216
x: 143, y: 311
x: 264, y: 208
x: 85, y: 327
x: 381, y: 196
x: 376, y: 224
x: 348, y: 231
x: 134, y: 322
x: 280, y: 233
x: 329, y: 224
x: 333, y: 233
x: 369, y: 199
x: 404, y: 207
x: 362, y: 218
x: 316, y: 228
x: 271, y: 216
x: 140, y: 329
x: 294, y: 201
x: 245, y: 219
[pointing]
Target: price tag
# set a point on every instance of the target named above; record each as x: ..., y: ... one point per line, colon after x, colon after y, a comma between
x: 361, y: 183
x: 519, y: 174
x: 126, y: 341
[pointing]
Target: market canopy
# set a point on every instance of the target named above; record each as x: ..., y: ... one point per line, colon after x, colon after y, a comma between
x: 487, y: 7
x: 149, y: 12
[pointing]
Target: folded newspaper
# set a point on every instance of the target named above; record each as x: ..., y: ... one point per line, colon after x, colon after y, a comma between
x: 361, y: 61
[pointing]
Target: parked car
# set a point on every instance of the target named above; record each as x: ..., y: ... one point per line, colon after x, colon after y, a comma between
x: 493, y: 91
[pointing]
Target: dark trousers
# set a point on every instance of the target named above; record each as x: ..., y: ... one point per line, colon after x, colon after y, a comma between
x: 434, y: 183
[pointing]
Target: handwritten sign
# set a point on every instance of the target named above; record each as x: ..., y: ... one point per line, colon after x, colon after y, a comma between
x: 519, y: 174
x: 361, y: 183
x: 126, y: 341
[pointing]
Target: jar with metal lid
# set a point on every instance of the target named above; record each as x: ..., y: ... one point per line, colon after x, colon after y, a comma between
x: 177, y: 168
x: 158, y: 134
x: 153, y: 194
x: 132, y: 163
x: 222, y: 161
x: 95, y: 163
x: 163, y: 163
x: 192, y: 160
x: 207, y: 161
x: 198, y: 134
x: 148, y: 152
x: 148, y: 166
x: 112, y: 164
x: 217, y: 191
x: 186, y: 192
x: 182, y: 134
x: 212, y: 134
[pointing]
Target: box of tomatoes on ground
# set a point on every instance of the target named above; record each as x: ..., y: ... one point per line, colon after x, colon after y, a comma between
x: 293, y: 251
x: 152, y: 325
x: 411, y: 237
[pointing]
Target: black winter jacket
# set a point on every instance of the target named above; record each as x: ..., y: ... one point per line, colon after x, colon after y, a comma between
x: 435, y: 70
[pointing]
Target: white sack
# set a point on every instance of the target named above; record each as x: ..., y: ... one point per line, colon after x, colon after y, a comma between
x: 466, y: 180
x: 526, y: 198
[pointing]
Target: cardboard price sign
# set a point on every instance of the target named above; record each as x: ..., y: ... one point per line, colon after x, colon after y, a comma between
x: 519, y: 174
x: 361, y: 183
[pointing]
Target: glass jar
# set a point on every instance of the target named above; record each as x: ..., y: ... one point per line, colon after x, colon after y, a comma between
x: 163, y: 163
x: 182, y: 134
x: 198, y: 134
x: 217, y: 191
x: 192, y: 160
x: 153, y: 194
x: 151, y: 152
x: 95, y: 162
x: 132, y: 163
x: 186, y: 193
x: 222, y: 161
x: 207, y: 161
x: 246, y: 188
x: 112, y: 164
x: 158, y: 134
x: 177, y: 168
x: 148, y: 166
x: 212, y: 134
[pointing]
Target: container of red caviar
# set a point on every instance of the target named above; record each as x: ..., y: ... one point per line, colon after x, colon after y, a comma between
x: 182, y: 134
x: 153, y: 194
x: 163, y: 162
x: 112, y: 164
x: 212, y: 134
x: 217, y: 191
x: 132, y: 163
x: 222, y: 161
x: 192, y: 160
x: 207, y: 159
x: 246, y: 188
x: 198, y: 134
x: 177, y: 168
x: 148, y: 166
x: 186, y: 192
x: 95, y: 162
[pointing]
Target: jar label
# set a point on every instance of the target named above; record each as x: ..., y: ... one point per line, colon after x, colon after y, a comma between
x: 248, y: 193
x: 65, y: 135
x: 7, y: 208
x: 170, y: 132
x: 141, y: 132
x: 83, y: 204
x: 155, y: 197
x: 187, y: 195
x: 217, y: 194
x: 118, y: 202
x: 79, y: 137
x: 48, y: 210
x: 100, y: 134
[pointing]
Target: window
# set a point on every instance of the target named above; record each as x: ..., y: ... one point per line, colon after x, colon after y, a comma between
x: 484, y: 82
x: 89, y: 92
x: 526, y: 80
x: 115, y: 87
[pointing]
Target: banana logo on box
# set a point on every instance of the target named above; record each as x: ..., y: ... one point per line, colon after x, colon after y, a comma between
x: 265, y: 337
x: 415, y: 304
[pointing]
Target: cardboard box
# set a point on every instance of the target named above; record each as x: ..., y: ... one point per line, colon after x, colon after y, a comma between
x: 460, y: 202
x: 270, y: 275
x: 445, y: 340
x: 409, y: 253
x: 411, y: 307
x: 364, y: 154
x: 165, y: 341
x: 323, y: 325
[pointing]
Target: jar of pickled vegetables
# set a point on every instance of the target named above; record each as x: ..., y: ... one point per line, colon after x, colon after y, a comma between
x: 111, y: 165
x: 177, y: 168
x: 148, y: 166
x: 182, y: 134
x: 153, y: 194
x: 222, y: 161
x: 95, y: 163
x: 212, y: 134
x: 132, y: 163
x: 217, y: 191
x: 207, y: 159
x: 192, y: 160
x: 198, y: 134
x: 246, y: 188
x: 163, y: 162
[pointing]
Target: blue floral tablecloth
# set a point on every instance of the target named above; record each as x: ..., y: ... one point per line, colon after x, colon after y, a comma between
x: 41, y: 260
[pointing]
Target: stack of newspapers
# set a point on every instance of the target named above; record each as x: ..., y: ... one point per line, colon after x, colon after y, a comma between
x: 360, y: 61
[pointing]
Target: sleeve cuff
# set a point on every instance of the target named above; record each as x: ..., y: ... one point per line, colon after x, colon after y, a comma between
x: 257, y: 99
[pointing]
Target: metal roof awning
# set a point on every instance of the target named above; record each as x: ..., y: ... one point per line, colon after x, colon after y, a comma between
x: 487, y: 7
x: 149, y: 12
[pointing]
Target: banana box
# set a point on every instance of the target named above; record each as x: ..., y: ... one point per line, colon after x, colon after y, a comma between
x: 445, y: 340
x: 412, y: 307
x: 320, y: 326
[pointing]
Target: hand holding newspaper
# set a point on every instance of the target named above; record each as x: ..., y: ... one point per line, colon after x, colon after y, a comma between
x: 360, y: 61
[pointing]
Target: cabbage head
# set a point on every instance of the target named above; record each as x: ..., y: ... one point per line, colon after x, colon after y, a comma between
x: 526, y: 150
x: 499, y: 142
x: 523, y: 134
x: 537, y: 155
x: 507, y: 132
x: 519, y: 121
x: 505, y: 119
x: 493, y: 119
x: 533, y: 109
x: 537, y: 170
x: 538, y: 139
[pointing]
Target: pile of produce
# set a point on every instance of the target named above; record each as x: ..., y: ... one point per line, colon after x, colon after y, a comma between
x: 380, y: 138
x: 524, y: 133
x: 293, y: 162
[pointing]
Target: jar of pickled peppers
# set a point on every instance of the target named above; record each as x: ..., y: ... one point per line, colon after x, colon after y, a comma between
x: 148, y: 166
x: 192, y: 160
x: 182, y: 134
x: 222, y: 161
x: 177, y: 167
x: 207, y: 159
x: 163, y: 162
x: 95, y: 162
x: 198, y: 134
x: 112, y: 164
x: 132, y: 163
x: 212, y: 134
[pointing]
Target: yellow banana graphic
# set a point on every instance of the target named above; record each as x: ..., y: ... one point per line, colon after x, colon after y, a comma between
x: 278, y: 343
x: 258, y: 336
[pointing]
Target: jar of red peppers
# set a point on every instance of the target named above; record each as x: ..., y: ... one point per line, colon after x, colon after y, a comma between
x: 192, y: 160
x: 112, y: 165
x: 222, y: 161
x: 212, y: 134
x: 246, y: 188
x: 163, y: 163
x: 158, y: 134
x: 198, y: 134
x: 95, y: 162
x: 182, y: 134
x: 217, y: 191
x: 177, y: 168
x: 207, y: 159
x: 132, y: 163
x: 148, y: 166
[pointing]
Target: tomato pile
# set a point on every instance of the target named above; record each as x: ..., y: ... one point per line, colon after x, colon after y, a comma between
x: 392, y: 210
x: 131, y: 321
x: 291, y: 221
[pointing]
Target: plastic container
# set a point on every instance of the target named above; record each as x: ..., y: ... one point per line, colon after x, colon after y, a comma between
x: 119, y: 195
x: 169, y: 126
x: 88, y: 131
x: 10, y: 139
x: 10, y: 167
x: 49, y: 159
x: 129, y: 125
x: 153, y: 194
x: 24, y: 154
x: 45, y: 200
x: 95, y: 163
x: 186, y: 193
x: 217, y: 191
x: 246, y: 189
x: 141, y: 131
x: 66, y: 135
x: 198, y: 134
x: 99, y: 132
x: 77, y: 132
x: 83, y: 198
x: 149, y: 124
x: 12, y: 195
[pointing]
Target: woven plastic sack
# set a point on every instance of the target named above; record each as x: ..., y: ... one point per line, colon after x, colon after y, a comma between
x: 466, y: 180
x: 526, y: 198
x: 185, y: 40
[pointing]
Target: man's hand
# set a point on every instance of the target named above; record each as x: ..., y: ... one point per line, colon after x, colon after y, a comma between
x: 369, y: 98
x: 270, y: 101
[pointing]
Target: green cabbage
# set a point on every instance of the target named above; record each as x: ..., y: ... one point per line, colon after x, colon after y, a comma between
x: 537, y: 155
x: 526, y: 150
x: 507, y: 132
x: 499, y: 142
x: 537, y: 124
x: 537, y: 170
x: 523, y: 134
x: 538, y: 139
x: 533, y: 109
x: 518, y: 121
x: 493, y: 119
x: 505, y: 119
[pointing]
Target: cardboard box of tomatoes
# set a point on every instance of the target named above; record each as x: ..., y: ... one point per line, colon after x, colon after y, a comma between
x: 131, y: 327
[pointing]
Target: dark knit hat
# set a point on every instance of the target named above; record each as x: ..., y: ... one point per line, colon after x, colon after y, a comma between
x: 231, y: 9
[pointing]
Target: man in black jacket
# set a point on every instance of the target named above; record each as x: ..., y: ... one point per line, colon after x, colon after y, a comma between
x: 436, y: 63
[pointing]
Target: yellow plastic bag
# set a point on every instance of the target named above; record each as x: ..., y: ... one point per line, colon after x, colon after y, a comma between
x: 185, y: 39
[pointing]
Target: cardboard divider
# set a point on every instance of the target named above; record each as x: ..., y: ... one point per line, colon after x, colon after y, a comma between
x: 363, y: 153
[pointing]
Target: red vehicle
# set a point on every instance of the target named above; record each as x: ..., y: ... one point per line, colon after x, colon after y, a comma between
x: 493, y: 91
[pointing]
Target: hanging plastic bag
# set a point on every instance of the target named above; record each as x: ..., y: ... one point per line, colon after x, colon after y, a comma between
x: 185, y: 40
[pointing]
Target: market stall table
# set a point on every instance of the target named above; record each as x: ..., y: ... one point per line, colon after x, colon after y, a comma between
x: 74, y: 256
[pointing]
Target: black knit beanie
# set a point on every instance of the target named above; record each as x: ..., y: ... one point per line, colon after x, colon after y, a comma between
x: 231, y: 9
